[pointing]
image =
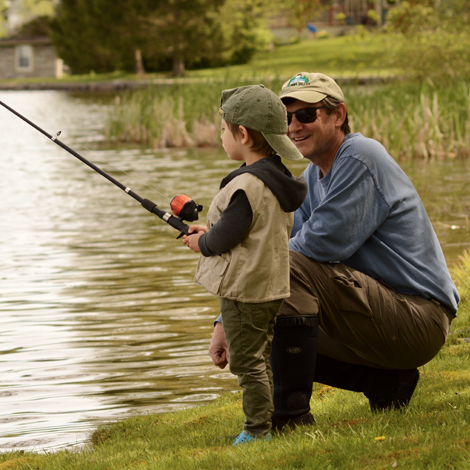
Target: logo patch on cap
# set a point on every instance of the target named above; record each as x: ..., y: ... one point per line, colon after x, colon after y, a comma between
x: 298, y: 80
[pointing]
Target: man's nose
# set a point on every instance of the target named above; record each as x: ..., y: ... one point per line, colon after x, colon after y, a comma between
x: 295, y: 124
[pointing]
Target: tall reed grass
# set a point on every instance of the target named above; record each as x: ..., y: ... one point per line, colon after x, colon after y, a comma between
x: 421, y: 122
x: 178, y: 115
x: 411, y: 121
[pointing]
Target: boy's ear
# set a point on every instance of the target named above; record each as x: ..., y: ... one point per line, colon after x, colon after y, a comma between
x: 245, y: 137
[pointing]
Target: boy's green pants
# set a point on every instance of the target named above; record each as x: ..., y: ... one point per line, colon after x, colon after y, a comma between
x: 249, y: 330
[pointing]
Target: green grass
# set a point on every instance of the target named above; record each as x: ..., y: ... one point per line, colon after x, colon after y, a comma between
x: 91, y: 77
x: 432, y: 433
x: 353, y: 56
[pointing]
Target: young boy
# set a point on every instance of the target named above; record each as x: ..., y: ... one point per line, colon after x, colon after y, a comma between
x: 245, y: 257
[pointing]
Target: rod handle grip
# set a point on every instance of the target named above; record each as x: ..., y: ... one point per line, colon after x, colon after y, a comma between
x: 166, y: 217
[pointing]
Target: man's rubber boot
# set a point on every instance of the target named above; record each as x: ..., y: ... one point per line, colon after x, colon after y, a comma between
x: 293, y: 359
x: 385, y: 389
x: 400, y: 396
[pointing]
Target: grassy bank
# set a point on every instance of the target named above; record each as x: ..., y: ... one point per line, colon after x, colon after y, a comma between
x: 431, y: 433
x: 354, y: 56
x: 346, y: 56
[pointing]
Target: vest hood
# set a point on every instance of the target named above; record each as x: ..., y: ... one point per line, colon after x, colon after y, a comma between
x: 289, y: 190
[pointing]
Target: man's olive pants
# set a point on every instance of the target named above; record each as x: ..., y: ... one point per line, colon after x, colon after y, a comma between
x: 363, y: 321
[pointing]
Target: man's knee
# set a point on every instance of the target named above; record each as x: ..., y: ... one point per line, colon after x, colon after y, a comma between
x: 303, y: 300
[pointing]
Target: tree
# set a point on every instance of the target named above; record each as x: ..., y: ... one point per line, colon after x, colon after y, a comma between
x: 186, y: 30
x: 96, y: 35
x: 38, y: 26
x: 243, y: 25
x: 412, y: 17
x: 3, y: 8
x: 26, y: 9
x: 104, y: 35
x: 39, y: 7
x: 434, y: 36
x: 299, y: 12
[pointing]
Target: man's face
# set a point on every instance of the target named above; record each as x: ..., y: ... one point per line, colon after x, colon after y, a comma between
x: 312, y: 139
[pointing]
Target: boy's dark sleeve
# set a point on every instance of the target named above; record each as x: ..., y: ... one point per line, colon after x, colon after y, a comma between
x: 230, y: 229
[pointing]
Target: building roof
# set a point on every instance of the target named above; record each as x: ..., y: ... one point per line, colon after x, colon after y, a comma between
x: 43, y: 40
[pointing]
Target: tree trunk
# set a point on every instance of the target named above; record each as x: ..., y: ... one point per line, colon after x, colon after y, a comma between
x: 138, y: 63
x: 178, y: 66
x: 379, y: 11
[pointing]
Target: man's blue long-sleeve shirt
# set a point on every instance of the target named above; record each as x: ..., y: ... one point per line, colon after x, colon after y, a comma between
x: 366, y: 214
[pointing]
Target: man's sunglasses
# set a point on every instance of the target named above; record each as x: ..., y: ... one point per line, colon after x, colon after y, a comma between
x: 304, y: 115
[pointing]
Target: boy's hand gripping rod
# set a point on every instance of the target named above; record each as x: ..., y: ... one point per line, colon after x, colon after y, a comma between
x: 181, y: 205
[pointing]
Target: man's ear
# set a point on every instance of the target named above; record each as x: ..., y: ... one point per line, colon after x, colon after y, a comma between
x: 340, y: 112
x: 245, y: 137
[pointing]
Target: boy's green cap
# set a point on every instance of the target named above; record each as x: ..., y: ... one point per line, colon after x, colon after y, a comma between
x: 311, y: 88
x: 258, y: 108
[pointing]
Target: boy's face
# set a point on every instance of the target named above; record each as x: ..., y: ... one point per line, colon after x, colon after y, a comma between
x: 231, y: 144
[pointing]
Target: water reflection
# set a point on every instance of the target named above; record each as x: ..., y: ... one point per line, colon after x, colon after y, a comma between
x: 99, y: 314
x: 444, y: 189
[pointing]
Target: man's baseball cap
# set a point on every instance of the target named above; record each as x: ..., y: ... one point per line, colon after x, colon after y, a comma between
x: 258, y: 108
x: 311, y: 88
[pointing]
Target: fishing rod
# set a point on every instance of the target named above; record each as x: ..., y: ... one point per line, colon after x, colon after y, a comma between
x: 183, y: 207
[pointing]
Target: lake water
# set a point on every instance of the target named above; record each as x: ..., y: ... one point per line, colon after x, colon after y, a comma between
x: 99, y: 315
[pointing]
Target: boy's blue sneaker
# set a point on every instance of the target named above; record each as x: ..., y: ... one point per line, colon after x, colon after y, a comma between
x: 244, y: 438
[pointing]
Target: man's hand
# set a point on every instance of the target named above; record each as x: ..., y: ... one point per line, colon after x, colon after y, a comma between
x: 191, y: 241
x: 218, y: 349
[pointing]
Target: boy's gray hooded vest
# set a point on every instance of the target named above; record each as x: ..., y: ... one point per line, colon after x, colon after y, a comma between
x: 257, y: 269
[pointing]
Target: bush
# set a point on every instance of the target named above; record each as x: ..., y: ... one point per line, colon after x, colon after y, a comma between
x: 431, y: 41
x: 322, y: 34
x: 439, y: 57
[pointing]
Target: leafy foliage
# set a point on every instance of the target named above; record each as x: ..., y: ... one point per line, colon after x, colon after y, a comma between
x: 3, y: 8
x: 244, y: 30
x: 38, y: 26
x: 433, y: 36
x: 29, y: 9
x: 96, y: 35
x: 299, y: 12
x: 39, y: 7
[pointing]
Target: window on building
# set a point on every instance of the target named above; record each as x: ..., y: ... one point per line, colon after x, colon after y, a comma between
x: 24, y: 57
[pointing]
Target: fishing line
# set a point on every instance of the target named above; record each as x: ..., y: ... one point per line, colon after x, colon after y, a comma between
x: 75, y: 142
x: 137, y: 180
x: 182, y: 206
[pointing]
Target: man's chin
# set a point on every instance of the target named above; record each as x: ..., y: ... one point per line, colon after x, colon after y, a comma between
x: 303, y: 146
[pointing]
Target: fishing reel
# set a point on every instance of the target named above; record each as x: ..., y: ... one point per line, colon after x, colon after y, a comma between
x: 185, y: 208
